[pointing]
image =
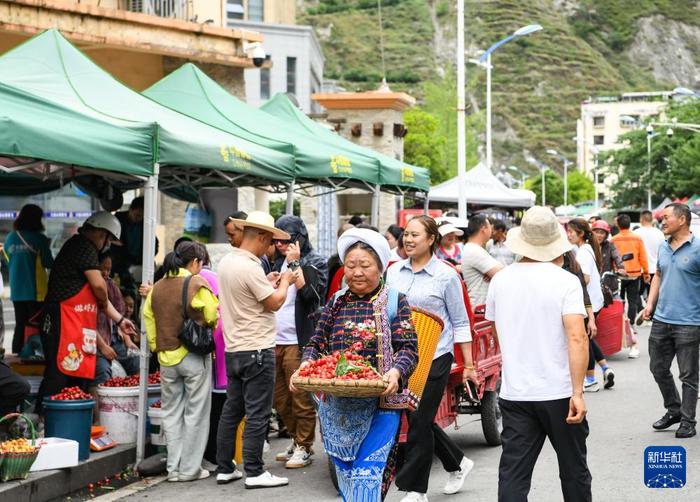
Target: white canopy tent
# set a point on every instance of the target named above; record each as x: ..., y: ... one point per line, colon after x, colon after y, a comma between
x: 482, y: 188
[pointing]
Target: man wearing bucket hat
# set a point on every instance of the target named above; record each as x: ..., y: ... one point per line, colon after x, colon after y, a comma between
x: 248, y: 303
x: 76, y: 291
x: 545, y: 355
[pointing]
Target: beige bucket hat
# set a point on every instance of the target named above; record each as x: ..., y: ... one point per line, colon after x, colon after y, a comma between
x: 540, y: 237
x: 263, y: 221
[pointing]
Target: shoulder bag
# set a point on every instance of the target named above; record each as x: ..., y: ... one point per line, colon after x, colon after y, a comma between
x: 195, y: 337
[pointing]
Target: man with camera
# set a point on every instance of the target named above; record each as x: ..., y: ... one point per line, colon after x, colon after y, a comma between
x: 248, y: 302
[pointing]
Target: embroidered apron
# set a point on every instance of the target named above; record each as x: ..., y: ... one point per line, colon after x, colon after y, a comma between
x: 77, y: 346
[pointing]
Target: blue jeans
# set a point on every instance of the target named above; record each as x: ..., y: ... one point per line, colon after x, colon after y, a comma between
x: 103, y: 369
x: 682, y: 342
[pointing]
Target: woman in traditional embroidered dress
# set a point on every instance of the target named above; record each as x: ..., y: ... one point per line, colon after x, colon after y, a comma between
x: 360, y: 433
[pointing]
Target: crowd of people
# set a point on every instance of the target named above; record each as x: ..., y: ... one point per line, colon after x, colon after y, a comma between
x: 273, y: 305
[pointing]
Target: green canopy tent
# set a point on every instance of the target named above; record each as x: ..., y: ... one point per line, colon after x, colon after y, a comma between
x: 191, y: 154
x: 394, y: 175
x: 188, y: 153
x: 39, y: 149
x: 190, y: 91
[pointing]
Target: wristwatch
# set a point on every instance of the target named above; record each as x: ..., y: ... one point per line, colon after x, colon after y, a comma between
x: 293, y: 265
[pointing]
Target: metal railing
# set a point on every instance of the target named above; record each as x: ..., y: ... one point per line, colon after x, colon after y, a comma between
x: 175, y: 9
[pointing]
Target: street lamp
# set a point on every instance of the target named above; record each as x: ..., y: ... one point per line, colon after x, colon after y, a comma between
x: 485, y: 60
x: 461, y: 124
x: 566, y: 171
x: 652, y: 134
x: 522, y: 174
x: 543, y: 170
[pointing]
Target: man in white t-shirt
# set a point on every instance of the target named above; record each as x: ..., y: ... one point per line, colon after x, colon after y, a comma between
x: 545, y: 355
x: 478, y: 266
x: 653, y: 238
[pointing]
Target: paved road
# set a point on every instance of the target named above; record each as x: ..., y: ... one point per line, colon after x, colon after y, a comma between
x: 620, y: 422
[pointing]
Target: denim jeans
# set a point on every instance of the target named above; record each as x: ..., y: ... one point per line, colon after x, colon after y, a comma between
x: 666, y: 342
x: 249, y: 394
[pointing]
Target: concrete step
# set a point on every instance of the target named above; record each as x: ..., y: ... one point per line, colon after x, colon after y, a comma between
x: 47, y: 485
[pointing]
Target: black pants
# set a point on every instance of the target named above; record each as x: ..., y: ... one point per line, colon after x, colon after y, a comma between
x: 667, y: 341
x: 630, y: 292
x: 594, y: 352
x: 526, y: 424
x: 424, y: 437
x: 54, y: 379
x: 249, y: 394
x: 13, y: 389
x: 23, y: 312
x: 217, y: 405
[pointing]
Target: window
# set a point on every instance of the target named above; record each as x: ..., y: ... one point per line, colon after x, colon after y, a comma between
x: 598, y: 121
x: 256, y: 10
x: 292, y: 76
x: 234, y: 9
x: 598, y: 140
x: 264, y: 83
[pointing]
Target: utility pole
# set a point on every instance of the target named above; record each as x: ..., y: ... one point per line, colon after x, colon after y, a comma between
x: 461, y: 125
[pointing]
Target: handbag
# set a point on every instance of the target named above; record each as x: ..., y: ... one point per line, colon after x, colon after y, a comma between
x: 195, y: 337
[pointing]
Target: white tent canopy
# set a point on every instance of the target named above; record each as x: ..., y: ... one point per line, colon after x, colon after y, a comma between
x: 483, y: 188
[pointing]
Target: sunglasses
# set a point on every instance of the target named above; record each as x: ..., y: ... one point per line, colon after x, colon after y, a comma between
x: 281, y: 241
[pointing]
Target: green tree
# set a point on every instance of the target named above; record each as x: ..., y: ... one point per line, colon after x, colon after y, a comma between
x: 671, y: 170
x: 581, y: 188
x: 554, y: 188
x: 440, y: 100
x: 423, y: 146
x: 278, y: 206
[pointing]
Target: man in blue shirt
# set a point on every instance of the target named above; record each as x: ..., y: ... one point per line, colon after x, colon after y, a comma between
x: 674, y: 304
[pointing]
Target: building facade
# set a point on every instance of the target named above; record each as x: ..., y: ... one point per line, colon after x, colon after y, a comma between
x: 604, y: 119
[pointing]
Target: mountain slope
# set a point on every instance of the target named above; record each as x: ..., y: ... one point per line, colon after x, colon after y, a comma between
x: 587, y: 47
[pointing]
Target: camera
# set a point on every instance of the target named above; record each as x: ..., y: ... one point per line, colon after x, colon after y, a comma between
x: 255, y: 52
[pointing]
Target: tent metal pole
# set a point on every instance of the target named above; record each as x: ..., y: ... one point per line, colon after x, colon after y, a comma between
x: 426, y: 205
x: 289, y: 208
x: 149, y: 252
x: 375, y: 206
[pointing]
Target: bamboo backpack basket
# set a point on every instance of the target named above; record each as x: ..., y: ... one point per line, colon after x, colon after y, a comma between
x: 428, y: 330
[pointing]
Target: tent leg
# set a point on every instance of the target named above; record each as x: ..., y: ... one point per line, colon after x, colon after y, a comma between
x: 289, y: 209
x: 149, y: 251
x: 375, y: 206
x: 426, y: 205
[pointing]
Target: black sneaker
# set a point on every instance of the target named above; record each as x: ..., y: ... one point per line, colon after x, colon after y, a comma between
x: 666, y: 421
x: 685, y: 431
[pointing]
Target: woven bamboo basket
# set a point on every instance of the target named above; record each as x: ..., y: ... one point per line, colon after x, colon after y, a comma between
x: 341, y: 388
x: 17, y: 465
x: 428, y: 330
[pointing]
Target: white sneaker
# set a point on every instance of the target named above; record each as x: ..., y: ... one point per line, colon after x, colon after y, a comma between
x: 286, y: 454
x: 222, y: 479
x: 208, y: 465
x: 265, y: 480
x: 456, y: 479
x: 415, y: 497
x: 172, y: 476
x: 608, y: 378
x: 634, y: 352
x: 300, y: 458
x: 266, y: 447
x: 203, y: 474
x: 591, y: 387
